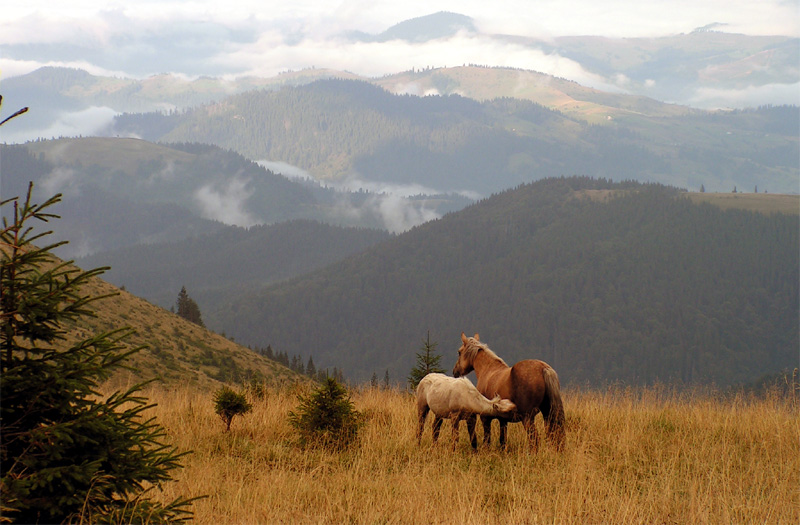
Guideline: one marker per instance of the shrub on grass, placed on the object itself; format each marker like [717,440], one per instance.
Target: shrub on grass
[327,417]
[228,404]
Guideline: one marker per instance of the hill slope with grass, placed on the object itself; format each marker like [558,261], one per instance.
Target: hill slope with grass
[178,352]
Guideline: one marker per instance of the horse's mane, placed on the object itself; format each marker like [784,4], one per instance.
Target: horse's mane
[475,346]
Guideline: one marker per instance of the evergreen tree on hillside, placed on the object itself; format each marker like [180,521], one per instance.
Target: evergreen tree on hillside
[68,453]
[311,369]
[427,363]
[187,308]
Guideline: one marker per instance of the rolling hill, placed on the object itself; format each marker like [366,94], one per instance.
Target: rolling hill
[490,128]
[342,129]
[640,286]
[705,67]
[123,192]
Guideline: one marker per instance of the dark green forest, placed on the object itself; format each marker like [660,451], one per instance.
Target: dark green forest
[222,266]
[334,128]
[642,287]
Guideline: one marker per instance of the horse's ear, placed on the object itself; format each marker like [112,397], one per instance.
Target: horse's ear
[477,337]
[463,338]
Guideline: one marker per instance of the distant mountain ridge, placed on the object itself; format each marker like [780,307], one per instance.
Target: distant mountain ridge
[422,29]
[339,129]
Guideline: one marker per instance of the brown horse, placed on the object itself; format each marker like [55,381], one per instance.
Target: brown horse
[532,385]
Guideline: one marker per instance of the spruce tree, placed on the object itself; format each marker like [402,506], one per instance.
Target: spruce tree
[187,308]
[68,453]
[427,363]
[311,369]
[327,416]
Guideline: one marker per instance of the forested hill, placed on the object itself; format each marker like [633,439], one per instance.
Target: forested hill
[606,282]
[218,266]
[336,129]
[121,192]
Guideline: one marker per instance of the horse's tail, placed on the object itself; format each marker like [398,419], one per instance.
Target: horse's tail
[554,418]
[503,407]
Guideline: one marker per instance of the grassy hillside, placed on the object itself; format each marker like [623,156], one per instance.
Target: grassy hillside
[645,286]
[178,353]
[631,456]
[759,202]
[123,155]
[570,98]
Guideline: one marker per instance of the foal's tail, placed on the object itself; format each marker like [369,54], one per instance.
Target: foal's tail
[554,416]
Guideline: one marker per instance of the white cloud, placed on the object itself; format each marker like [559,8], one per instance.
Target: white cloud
[285,169]
[228,205]
[60,180]
[399,214]
[251,37]
[11,68]
[265,37]
[87,122]
[268,57]
[388,188]
[751,96]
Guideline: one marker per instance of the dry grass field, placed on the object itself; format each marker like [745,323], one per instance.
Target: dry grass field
[632,456]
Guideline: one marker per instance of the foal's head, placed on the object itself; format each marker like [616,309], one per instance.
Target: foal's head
[466,355]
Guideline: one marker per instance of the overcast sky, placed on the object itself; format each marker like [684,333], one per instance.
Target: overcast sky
[203,37]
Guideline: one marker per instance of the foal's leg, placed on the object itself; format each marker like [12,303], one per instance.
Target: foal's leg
[437,426]
[456,423]
[422,413]
[486,423]
[473,439]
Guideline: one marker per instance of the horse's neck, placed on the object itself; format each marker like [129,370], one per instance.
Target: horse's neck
[485,363]
[481,405]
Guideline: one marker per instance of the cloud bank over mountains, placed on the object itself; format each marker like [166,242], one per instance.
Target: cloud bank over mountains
[199,38]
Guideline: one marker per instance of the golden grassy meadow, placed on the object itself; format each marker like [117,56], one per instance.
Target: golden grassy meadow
[632,456]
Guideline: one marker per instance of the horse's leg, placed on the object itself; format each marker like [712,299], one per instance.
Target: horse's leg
[437,426]
[486,423]
[456,423]
[503,427]
[422,413]
[530,427]
[473,439]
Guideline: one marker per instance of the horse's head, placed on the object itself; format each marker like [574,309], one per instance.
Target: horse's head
[465,357]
